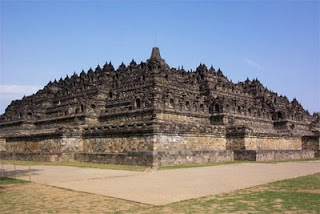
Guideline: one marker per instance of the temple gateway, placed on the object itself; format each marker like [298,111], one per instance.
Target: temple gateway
[151,114]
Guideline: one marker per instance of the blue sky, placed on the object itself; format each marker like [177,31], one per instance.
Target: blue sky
[275,41]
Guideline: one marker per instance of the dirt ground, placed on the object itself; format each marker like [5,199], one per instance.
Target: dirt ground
[296,196]
[166,186]
[37,198]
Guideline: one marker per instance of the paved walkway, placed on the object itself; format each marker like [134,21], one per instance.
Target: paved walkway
[165,186]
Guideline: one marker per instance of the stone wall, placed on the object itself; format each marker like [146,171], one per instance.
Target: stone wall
[244,120]
[188,142]
[191,157]
[117,144]
[158,149]
[174,117]
[274,155]
[35,144]
[36,156]
[259,142]
[190,149]
[123,149]
[277,155]
[44,148]
[310,143]
[127,158]
[248,155]
[272,143]
[235,143]
[2,144]
[154,150]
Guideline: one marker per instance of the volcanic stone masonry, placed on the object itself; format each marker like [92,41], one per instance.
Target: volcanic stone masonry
[151,114]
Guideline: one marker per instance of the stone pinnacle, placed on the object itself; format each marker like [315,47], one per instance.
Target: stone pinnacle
[155,55]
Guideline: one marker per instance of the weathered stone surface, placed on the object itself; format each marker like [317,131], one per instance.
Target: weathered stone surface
[127,158]
[274,155]
[192,157]
[36,156]
[151,114]
[277,155]
[273,143]
[250,155]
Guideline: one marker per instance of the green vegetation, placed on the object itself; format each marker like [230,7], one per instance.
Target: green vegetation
[5,180]
[76,164]
[311,182]
[199,165]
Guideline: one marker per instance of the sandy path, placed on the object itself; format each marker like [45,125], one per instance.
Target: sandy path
[167,186]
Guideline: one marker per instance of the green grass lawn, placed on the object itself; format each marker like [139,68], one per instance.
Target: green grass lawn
[5,180]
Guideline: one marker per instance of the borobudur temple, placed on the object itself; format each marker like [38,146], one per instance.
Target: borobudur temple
[151,114]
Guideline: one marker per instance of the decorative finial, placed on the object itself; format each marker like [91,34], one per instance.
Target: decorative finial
[155,55]
[156,60]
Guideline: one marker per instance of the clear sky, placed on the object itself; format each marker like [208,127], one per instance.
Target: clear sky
[275,41]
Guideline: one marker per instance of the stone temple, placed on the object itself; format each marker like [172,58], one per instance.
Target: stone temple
[152,114]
